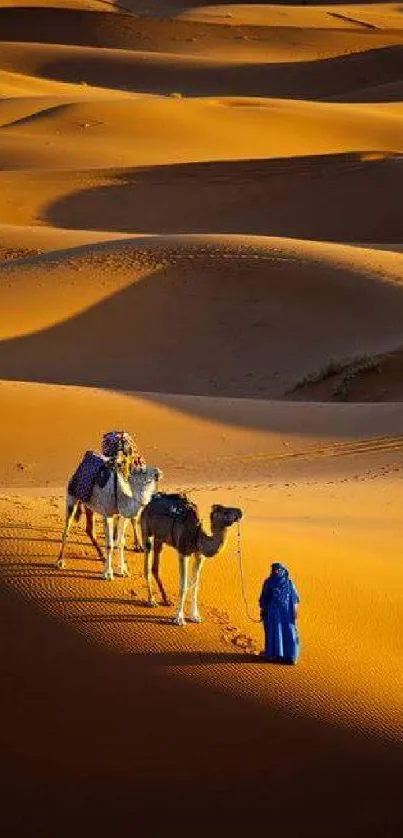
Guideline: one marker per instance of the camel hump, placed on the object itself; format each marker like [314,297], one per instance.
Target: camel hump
[183,514]
[174,505]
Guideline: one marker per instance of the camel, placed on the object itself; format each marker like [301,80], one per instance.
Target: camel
[189,531]
[119,497]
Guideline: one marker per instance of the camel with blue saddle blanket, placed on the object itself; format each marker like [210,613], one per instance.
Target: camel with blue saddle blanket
[101,485]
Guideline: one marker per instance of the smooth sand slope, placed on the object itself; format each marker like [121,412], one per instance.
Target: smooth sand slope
[200,241]
[236,295]
[165,31]
[231,197]
[167,72]
[92,134]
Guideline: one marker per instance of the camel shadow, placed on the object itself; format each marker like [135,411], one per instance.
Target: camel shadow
[195,658]
[30,527]
[40,540]
[42,570]
[26,565]
[88,600]
[122,618]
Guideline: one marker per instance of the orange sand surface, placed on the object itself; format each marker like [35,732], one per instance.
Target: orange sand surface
[201,242]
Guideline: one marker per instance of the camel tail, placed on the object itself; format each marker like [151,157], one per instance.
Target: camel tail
[78,512]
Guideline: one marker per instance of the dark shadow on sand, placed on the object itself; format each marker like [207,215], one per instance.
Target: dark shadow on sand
[120,31]
[87,719]
[248,197]
[328,78]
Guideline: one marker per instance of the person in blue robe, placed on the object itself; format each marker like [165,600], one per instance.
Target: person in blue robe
[278,612]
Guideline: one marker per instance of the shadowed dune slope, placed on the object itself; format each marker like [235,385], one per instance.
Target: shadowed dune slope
[392,92]
[267,197]
[164,72]
[351,197]
[235,295]
[165,34]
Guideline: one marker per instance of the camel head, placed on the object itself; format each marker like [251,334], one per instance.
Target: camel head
[222,517]
[143,482]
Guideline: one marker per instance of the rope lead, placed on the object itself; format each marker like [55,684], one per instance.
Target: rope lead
[240,561]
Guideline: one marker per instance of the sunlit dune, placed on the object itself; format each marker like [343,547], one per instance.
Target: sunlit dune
[349,16]
[158,32]
[122,133]
[27,241]
[245,440]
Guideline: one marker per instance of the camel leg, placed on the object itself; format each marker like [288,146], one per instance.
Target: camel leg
[194,587]
[147,572]
[156,568]
[179,618]
[91,532]
[123,569]
[71,506]
[137,548]
[108,526]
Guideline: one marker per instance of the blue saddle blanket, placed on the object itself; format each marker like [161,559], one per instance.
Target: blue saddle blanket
[92,469]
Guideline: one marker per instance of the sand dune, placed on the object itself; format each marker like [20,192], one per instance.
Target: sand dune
[236,197]
[235,295]
[122,133]
[192,75]
[200,241]
[380,93]
[321,16]
[173,35]
[245,441]
[30,240]
[252,197]
[375,378]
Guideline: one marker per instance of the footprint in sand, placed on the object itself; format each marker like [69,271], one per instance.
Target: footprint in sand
[232,635]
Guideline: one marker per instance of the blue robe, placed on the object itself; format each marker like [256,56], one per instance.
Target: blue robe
[278,615]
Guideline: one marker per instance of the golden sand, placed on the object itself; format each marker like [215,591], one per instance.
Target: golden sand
[200,241]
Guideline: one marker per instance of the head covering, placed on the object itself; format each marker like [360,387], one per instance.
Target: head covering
[280,585]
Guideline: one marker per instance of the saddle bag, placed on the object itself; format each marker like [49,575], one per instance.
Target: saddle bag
[184,517]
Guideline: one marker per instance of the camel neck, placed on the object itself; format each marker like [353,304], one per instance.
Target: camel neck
[210,545]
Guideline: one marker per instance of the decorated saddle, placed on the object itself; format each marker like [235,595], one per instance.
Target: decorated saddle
[184,516]
[118,444]
[93,469]
[119,450]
